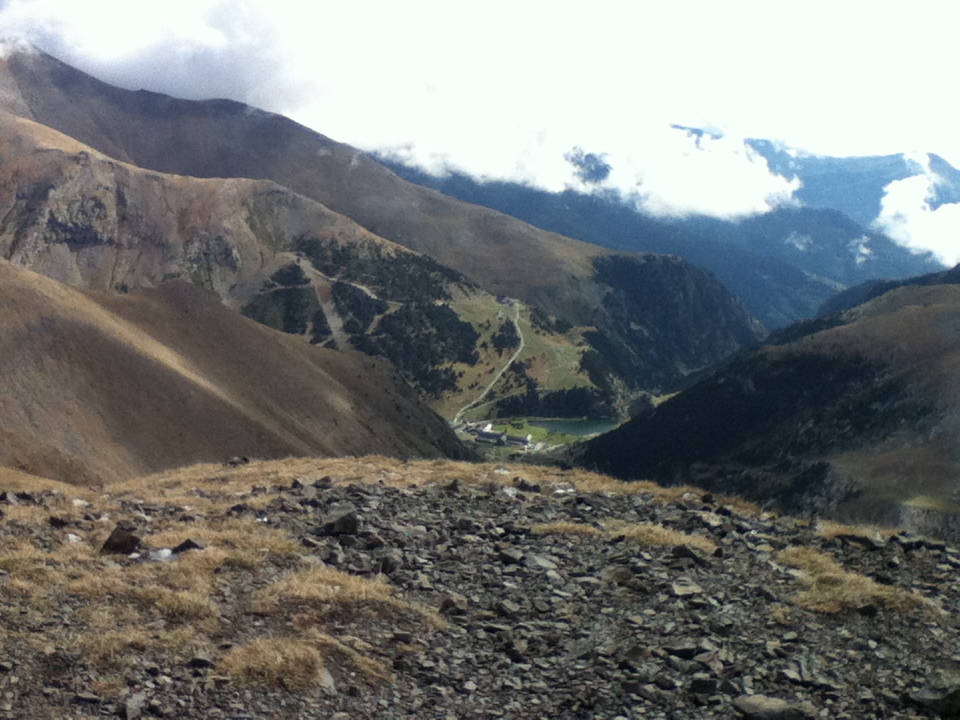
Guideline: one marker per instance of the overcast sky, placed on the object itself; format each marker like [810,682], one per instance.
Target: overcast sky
[505,89]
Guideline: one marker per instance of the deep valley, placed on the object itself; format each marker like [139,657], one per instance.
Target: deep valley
[289,430]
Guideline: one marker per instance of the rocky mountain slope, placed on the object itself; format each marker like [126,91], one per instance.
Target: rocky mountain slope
[369,588]
[101,386]
[853,415]
[557,276]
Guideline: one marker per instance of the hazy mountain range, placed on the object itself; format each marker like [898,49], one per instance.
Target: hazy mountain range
[856,185]
[783,264]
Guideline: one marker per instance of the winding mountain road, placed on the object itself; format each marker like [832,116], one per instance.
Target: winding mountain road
[476,402]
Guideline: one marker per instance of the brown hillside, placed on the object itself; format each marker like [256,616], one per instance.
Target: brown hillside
[98,387]
[225,139]
[78,216]
[219,138]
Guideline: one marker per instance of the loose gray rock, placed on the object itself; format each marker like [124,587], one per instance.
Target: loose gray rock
[122,540]
[454,604]
[763,707]
[134,705]
[943,699]
[685,588]
[341,520]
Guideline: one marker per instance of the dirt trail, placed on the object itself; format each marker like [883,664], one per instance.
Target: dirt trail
[477,400]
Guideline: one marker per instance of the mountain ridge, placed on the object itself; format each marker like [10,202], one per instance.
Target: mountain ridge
[856,185]
[555,275]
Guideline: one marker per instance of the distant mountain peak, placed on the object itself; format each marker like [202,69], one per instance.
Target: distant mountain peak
[858,186]
[699,133]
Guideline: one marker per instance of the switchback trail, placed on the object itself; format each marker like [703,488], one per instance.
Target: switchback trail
[477,400]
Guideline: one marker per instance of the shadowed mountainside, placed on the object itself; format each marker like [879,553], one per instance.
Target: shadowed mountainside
[99,386]
[859,294]
[859,419]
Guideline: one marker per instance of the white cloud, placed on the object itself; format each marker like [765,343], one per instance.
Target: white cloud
[13,45]
[504,89]
[188,48]
[861,250]
[720,177]
[907,217]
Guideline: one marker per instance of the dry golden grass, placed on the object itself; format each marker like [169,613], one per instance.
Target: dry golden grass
[27,514]
[110,686]
[111,648]
[105,616]
[828,588]
[652,535]
[324,585]
[332,591]
[829,529]
[287,663]
[564,527]
[182,606]
[215,487]
[31,571]
[354,653]
[98,585]
[121,647]
[196,571]
[19,587]
[240,542]
[21,558]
